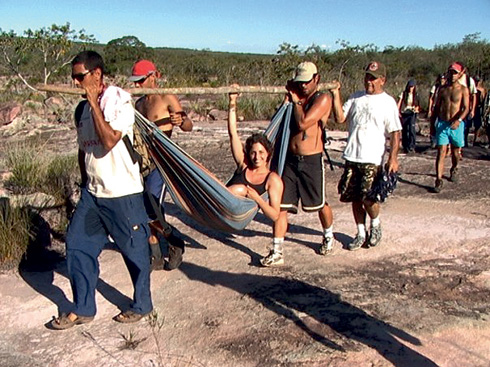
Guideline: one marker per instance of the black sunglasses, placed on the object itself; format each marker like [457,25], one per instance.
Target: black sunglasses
[141,81]
[80,77]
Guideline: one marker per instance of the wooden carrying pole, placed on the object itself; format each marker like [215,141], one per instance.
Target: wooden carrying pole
[193,90]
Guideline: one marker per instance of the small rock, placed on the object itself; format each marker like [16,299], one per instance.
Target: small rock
[8,112]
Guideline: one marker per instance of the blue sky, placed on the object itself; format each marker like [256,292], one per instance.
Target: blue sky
[258,26]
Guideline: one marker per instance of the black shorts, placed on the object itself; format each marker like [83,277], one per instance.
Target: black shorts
[304,178]
[357,180]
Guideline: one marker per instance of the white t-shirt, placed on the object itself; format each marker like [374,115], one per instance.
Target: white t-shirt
[472,87]
[370,117]
[111,174]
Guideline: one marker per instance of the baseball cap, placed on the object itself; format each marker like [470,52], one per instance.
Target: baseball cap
[305,72]
[376,69]
[411,83]
[141,69]
[456,66]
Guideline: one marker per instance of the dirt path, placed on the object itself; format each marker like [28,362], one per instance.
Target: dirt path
[420,299]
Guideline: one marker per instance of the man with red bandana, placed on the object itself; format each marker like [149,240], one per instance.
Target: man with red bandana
[166,112]
[451,108]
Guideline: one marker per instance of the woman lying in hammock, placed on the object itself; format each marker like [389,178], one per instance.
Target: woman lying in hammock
[253,177]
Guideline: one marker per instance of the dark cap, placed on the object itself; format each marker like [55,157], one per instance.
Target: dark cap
[376,69]
[411,83]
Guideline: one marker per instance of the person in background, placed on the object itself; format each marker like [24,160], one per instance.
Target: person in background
[486,115]
[467,81]
[434,91]
[370,114]
[409,107]
[166,112]
[452,106]
[481,94]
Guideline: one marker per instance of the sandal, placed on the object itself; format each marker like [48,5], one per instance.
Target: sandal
[64,322]
[128,317]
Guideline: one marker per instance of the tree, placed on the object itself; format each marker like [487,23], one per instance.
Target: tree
[121,53]
[53,47]
[14,54]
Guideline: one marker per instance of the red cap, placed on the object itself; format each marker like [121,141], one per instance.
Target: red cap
[456,66]
[141,69]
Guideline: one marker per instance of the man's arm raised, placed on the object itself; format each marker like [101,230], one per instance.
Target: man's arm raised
[338,112]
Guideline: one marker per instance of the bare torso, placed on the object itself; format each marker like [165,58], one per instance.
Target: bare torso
[310,140]
[155,108]
[451,100]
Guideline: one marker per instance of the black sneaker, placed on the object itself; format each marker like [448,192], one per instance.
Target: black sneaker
[156,264]
[438,186]
[176,248]
[454,175]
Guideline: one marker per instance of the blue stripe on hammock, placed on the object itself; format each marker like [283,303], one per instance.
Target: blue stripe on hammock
[196,190]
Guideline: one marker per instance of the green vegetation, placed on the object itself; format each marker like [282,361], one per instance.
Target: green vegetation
[15,227]
[253,107]
[33,169]
[53,47]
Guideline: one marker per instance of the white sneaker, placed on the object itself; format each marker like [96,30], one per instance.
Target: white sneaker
[327,246]
[273,259]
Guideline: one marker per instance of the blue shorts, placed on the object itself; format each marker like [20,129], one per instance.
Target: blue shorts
[445,135]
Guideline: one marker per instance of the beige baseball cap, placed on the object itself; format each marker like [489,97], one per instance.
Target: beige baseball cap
[305,72]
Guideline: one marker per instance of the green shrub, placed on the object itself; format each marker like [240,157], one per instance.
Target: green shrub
[253,106]
[27,164]
[15,227]
[36,170]
[60,173]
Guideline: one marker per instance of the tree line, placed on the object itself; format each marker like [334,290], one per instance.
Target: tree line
[44,55]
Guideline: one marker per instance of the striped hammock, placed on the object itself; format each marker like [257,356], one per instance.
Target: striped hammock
[196,190]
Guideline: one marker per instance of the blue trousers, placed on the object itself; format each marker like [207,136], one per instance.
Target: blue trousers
[154,185]
[125,219]
[408,131]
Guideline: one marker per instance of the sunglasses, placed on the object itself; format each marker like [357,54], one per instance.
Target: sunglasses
[80,77]
[452,71]
[141,81]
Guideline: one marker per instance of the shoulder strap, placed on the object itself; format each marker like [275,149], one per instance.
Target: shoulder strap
[135,156]
[79,111]
[312,100]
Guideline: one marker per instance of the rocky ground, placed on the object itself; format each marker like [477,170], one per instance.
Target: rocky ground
[422,298]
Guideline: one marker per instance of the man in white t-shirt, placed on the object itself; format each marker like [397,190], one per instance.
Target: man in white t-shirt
[111,201]
[371,114]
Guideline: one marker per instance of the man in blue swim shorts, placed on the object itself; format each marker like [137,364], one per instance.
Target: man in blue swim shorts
[452,106]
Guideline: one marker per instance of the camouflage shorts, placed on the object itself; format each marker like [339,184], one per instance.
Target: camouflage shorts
[356,181]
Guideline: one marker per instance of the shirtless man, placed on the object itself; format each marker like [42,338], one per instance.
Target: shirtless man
[452,106]
[304,170]
[166,112]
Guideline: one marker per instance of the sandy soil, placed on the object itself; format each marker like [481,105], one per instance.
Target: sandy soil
[422,298]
